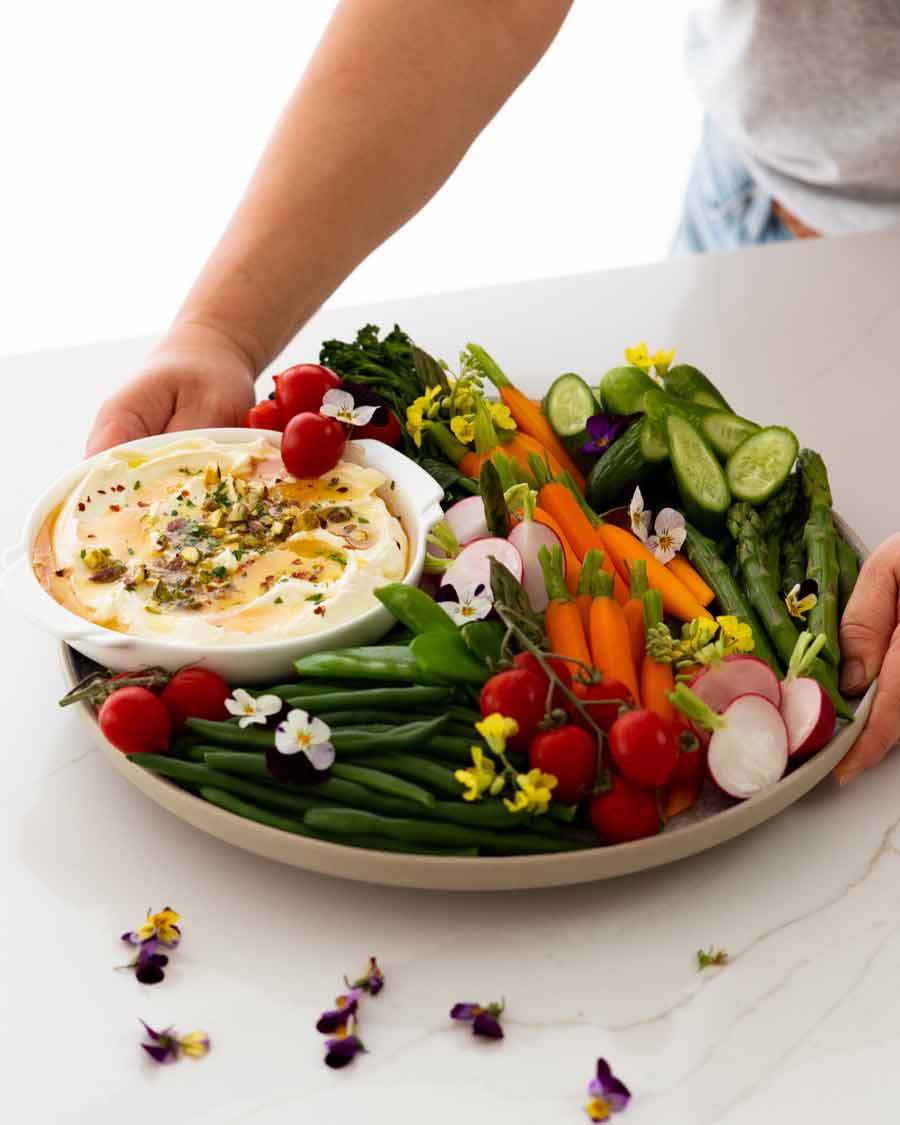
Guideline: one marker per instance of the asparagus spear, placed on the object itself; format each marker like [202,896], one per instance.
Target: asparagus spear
[705,557]
[820,540]
[793,557]
[776,514]
[849,572]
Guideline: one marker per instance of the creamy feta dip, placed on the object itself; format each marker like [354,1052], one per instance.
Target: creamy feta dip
[211,543]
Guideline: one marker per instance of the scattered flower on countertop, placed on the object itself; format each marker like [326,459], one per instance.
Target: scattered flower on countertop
[342,1050]
[472,603]
[479,778]
[608,1094]
[603,429]
[638,519]
[801,598]
[533,794]
[337,1018]
[485,1020]
[670,534]
[341,405]
[302,750]
[168,1046]
[160,929]
[495,729]
[372,981]
[148,966]
[341,1022]
[252,710]
[707,957]
[736,636]
[463,428]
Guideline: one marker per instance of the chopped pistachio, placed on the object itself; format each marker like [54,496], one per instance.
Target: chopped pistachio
[218,533]
[138,575]
[234,537]
[190,555]
[213,474]
[161,592]
[237,514]
[214,518]
[152,609]
[277,528]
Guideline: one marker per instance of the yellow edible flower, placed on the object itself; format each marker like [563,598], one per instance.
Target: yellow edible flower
[662,360]
[195,1044]
[736,636]
[797,606]
[695,635]
[416,414]
[479,778]
[463,428]
[501,416]
[162,926]
[639,356]
[495,729]
[533,794]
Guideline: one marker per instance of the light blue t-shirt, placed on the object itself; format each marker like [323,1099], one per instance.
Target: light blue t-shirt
[808,91]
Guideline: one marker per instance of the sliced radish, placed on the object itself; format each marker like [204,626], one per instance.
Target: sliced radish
[739,674]
[472,566]
[528,537]
[808,714]
[749,751]
[466,520]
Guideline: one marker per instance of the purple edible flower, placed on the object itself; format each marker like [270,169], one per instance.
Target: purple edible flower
[331,1021]
[603,429]
[293,769]
[365,396]
[372,981]
[608,1094]
[168,1046]
[341,1051]
[485,1020]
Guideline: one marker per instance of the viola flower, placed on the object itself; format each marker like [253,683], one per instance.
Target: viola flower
[148,966]
[472,603]
[167,1046]
[801,598]
[363,395]
[252,710]
[533,794]
[342,1050]
[337,1018]
[637,517]
[479,777]
[736,636]
[372,981]
[302,749]
[463,428]
[603,429]
[495,729]
[340,404]
[670,534]
[485,1020]
[608,1094]
[342,1021]
[159,928]
[639,356]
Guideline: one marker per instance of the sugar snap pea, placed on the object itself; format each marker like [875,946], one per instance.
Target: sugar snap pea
[445,658]
[381,782]
[414,608]
[321,703]
[392,663]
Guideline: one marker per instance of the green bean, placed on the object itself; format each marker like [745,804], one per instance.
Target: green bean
[371,720]
[432,774]
[354,822]
[453,749]
[248,811]
[347,740]
[381,782]
[285,691]
[374,662]
[465,715]
[392,697]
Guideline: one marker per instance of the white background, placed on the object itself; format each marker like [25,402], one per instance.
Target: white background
[129,131]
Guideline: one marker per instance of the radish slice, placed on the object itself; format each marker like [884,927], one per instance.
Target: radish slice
[808,714]
[466,520]
[750,752]
[721,683]
[528,537]
[472,566]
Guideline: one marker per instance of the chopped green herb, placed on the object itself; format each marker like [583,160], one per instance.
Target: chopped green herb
[279,601]
[393,485]
[361,519]
[219,572]
[316,598]
[131,550]
[83,552]
[137,485]
[190,503]
[339,559]
[238,553]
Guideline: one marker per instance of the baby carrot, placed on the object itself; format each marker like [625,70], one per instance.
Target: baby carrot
[685,573]
[681,795]
[657,679]
[562,619]
[610,644]
[590,568]
[634,610]
[556,499]
[573,564]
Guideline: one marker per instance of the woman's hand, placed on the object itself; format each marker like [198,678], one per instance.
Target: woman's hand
[196,377]
[870,647]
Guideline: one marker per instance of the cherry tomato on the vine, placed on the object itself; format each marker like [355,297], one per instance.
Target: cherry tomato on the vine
[603,702]
[301,388]
[643,748]
[135,721]
[388,431]
[264,416]
[530,662]
[517,694]
[691,762]
[626,812]
[571,755]
[312,444]
[195,693]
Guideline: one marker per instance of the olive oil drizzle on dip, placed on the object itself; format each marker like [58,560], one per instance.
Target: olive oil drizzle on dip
[218,543]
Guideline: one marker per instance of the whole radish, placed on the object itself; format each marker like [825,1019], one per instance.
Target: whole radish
[529,537]
[806,708]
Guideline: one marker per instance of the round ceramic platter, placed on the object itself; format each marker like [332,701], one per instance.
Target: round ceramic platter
[712,821]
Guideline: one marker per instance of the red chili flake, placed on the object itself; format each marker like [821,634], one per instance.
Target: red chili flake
[90,537]
[120,488]
[320,610]
[184,494]
[143,504]
[81,507]
[115,508]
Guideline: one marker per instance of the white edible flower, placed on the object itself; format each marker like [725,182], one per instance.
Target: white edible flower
[472,604]
[670,535]
[638,518]
[301,734]
[252,710]
[340,405]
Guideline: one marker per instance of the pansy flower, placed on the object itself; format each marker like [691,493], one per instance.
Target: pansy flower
[168,1046]
[342,1050]
[472,603]
[338,1017]
[603,429]
[250,709]
[485,1020]
[638,519]
[669,535]
[341,1022]
[801,598]
[340,404]
[608,1094]
[159,930]
[302,749]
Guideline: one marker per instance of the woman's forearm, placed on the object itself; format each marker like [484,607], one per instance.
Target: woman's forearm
[393,97]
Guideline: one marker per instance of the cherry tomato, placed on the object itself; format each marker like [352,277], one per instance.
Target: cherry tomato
[264,416]
[625,813]
[560,667]
[603,701]
[300,389]
[195,693]
[643,748]
[571,754]
[312,444]
[691,762]
[135,721]
[388,431]
[518,694]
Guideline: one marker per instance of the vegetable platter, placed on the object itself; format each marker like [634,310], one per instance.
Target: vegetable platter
[575,691]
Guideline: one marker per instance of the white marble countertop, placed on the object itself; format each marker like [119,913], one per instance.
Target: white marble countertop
[801,1025]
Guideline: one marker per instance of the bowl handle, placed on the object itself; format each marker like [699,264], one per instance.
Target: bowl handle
[11,555]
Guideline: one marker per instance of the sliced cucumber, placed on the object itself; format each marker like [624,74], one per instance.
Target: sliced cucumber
[653,440]
[725,431]
[623,389]
[568,404]
[618,469]
[689,382]
[762,463]
[701,482]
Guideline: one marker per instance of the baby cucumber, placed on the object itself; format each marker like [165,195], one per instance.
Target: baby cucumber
[653,440]
[623,390]
[761,464]
[568,404]
[725,431]
[688,382]
[701,482]
[620,467]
